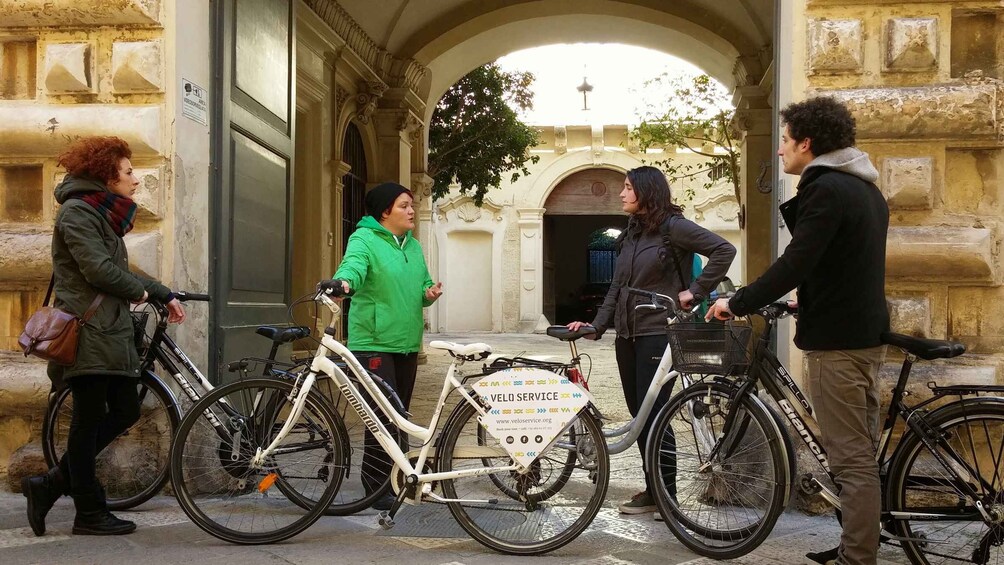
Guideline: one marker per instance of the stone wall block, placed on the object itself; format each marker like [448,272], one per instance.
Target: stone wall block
[25,256]
[44,130]
[976,317]
[145,251]
[908,182]
[78,13]
[910,315]
[943,373]
[936,253]
[24,385]
[969,112]
[835,45]
[911,44]
[68,68]
[137,66]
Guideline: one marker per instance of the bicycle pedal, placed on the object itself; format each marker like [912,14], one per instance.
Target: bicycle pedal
[385,521]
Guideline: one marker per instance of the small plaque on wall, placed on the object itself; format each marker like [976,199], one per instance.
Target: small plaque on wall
[194,102]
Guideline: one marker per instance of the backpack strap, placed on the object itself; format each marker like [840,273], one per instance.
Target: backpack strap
[667,243]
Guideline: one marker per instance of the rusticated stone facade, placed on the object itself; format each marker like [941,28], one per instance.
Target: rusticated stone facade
[70,69]
[924,83]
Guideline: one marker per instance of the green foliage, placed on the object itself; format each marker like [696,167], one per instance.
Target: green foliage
[601,239]
[475,135]
[697,116]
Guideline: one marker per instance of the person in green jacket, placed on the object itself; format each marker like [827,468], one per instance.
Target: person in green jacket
[385,270]
[89,259]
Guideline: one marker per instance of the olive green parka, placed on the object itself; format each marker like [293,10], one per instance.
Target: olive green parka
[88,258]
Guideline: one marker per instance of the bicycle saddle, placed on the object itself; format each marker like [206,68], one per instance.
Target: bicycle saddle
[565,334]
[282,334]
[924,348]
[468,351]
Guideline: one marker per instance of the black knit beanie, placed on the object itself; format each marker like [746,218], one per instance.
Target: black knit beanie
[382,197]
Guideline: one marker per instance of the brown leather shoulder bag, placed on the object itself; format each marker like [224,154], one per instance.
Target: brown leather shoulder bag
[52,334]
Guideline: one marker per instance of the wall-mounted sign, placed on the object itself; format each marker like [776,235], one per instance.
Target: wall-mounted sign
[194,102]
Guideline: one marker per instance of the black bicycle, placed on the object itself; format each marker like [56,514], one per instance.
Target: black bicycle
[726,462]
[145,447]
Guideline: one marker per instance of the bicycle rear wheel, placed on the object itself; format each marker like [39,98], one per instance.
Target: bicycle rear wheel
[721,491]
[229,496]
[927,502]
[528,523]
[134,466]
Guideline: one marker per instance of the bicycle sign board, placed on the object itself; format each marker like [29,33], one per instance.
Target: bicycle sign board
[528,408]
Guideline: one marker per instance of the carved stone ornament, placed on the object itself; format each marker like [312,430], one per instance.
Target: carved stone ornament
[366,99]
[911,44]
[468,212]
[560,140]
[836,45]
[410,126]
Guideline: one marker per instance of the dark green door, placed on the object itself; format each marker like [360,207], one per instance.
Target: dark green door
[253,156]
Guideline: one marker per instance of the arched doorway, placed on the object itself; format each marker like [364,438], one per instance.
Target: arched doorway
[582,205]
[353,197]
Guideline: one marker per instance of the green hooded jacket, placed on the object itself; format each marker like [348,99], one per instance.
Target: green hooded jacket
[389,280]
[88,257]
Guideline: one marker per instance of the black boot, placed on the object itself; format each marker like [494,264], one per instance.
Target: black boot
[94,519]
[42,492]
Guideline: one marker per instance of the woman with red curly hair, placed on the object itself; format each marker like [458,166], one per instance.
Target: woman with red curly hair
[90,267]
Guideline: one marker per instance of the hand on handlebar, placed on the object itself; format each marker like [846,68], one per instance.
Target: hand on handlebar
[686,300]
[336,288]
[719,310]
[175,312]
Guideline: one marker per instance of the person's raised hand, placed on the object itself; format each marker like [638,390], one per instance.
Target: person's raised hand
[434,292]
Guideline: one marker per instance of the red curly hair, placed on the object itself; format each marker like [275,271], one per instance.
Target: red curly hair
[95,157]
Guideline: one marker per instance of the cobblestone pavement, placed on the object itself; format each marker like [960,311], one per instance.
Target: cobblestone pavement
[166,536]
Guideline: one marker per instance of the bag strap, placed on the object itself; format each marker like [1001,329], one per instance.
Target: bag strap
[667,241]
[92,309]
[48,293]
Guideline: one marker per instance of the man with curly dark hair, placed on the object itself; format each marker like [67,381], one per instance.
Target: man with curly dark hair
[836,259]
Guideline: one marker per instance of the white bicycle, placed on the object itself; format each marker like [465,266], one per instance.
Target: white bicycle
[521,479]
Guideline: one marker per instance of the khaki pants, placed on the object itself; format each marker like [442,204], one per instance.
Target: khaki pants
[844,392]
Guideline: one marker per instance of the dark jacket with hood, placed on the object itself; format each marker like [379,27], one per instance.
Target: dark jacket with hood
[839,222]
[88,258]
[643,263]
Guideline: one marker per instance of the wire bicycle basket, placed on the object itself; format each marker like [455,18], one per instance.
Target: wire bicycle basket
[709,348]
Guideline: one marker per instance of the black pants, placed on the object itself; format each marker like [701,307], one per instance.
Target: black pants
[103,408]
[398,370]
[637,361]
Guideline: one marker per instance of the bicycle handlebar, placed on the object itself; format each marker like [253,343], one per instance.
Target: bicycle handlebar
[183,296]
[659,301]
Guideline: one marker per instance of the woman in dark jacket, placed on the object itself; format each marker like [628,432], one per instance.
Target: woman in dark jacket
[644,262]
[89,260]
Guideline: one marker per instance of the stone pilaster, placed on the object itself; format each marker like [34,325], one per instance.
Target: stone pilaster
[531,270]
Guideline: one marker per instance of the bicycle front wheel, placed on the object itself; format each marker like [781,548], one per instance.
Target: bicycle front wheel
[133,467]
[535,516]
[228,494]
[720,490]
[929,504]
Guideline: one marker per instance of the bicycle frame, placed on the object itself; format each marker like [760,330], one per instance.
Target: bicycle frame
[778,383]
[322,366]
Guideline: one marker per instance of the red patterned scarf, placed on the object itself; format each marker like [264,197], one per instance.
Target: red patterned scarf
[119,211]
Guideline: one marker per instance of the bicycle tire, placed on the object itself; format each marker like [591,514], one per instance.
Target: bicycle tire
[731,504]
[148,459]
[917,483]
[218,487]
[531,526]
